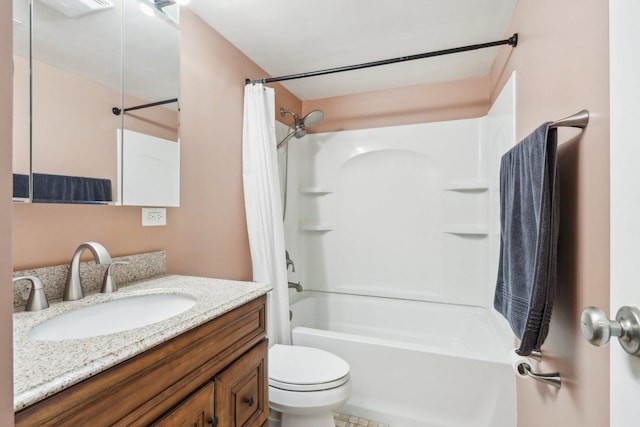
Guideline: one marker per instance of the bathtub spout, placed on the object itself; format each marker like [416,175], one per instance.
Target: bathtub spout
[296,286]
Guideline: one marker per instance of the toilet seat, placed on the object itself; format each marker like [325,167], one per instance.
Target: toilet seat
[296,368]
[308,387]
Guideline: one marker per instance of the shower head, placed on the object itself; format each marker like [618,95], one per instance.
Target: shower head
[300,132]
[299,125]
[313,118]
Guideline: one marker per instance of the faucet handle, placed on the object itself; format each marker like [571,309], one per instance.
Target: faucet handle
[37,298]
[289,262]
[109,282]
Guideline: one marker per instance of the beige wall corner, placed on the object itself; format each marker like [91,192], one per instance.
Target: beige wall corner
[562,67]
[6,189]
[209,236]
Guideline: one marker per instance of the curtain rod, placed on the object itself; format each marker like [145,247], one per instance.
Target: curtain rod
[511,41]
[117,111]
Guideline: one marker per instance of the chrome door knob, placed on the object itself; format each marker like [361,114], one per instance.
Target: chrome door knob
[598,329]
[596,326]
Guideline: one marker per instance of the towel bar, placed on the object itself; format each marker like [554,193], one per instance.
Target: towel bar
[578,120]
[553,379]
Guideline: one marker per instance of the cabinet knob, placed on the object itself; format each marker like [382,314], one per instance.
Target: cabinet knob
[598,329]
[249,401]
[213,422]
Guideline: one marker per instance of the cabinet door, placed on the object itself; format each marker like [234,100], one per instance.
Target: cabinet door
[195,411]
[241,398]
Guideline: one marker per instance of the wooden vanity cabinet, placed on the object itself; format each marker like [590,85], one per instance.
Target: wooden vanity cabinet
[215,374]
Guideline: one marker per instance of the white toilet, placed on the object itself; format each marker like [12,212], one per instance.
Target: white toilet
[305,385]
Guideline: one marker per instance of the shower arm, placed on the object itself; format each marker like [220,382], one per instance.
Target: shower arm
[296,118]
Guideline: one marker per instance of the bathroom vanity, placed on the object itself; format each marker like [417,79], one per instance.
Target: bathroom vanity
[213,372]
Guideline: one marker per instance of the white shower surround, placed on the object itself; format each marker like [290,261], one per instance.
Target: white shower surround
[409,214]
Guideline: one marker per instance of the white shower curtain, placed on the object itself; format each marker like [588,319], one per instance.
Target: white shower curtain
[263,206]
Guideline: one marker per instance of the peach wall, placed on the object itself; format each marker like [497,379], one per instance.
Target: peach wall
[562,67]
[207,234]
[210,237]
[6,306]
[409,105]
[48,234]
[74,131]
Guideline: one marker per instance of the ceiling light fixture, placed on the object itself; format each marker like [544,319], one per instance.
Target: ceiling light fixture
[165,9]
[78,8]
[161,4]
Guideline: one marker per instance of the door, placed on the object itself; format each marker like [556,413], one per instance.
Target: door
[625,199]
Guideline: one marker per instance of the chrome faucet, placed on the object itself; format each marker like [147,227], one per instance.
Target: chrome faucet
[290,262]
[73,286]
[37,298]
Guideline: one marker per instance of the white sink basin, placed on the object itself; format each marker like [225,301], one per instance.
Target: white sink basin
[114,316]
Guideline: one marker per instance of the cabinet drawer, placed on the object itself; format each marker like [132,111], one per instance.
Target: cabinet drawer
[196,410]
[241,397]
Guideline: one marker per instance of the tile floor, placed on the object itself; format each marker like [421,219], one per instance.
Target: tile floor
[344,420]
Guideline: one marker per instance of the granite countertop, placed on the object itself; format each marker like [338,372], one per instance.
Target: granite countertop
[43,368]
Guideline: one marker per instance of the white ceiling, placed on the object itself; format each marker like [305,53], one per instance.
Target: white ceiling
[292,36]
[90,46]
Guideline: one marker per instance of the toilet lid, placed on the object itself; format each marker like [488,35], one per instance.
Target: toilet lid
[299,368]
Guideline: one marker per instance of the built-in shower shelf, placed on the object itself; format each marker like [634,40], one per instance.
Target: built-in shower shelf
[316,227]
[469,230]
[467,186]
[315,190]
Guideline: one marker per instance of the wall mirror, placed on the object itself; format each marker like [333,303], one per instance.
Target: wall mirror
[87,57]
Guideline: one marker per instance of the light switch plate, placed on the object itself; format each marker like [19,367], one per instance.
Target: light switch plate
[154,216]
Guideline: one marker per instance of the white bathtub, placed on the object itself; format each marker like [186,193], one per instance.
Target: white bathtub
[413,363]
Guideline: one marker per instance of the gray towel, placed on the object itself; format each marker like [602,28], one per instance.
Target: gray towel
[529,216]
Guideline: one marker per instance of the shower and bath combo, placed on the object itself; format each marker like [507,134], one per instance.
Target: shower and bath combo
[298,129]
[358,333]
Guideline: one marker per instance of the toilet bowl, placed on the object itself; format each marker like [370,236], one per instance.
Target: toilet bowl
[305,386]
